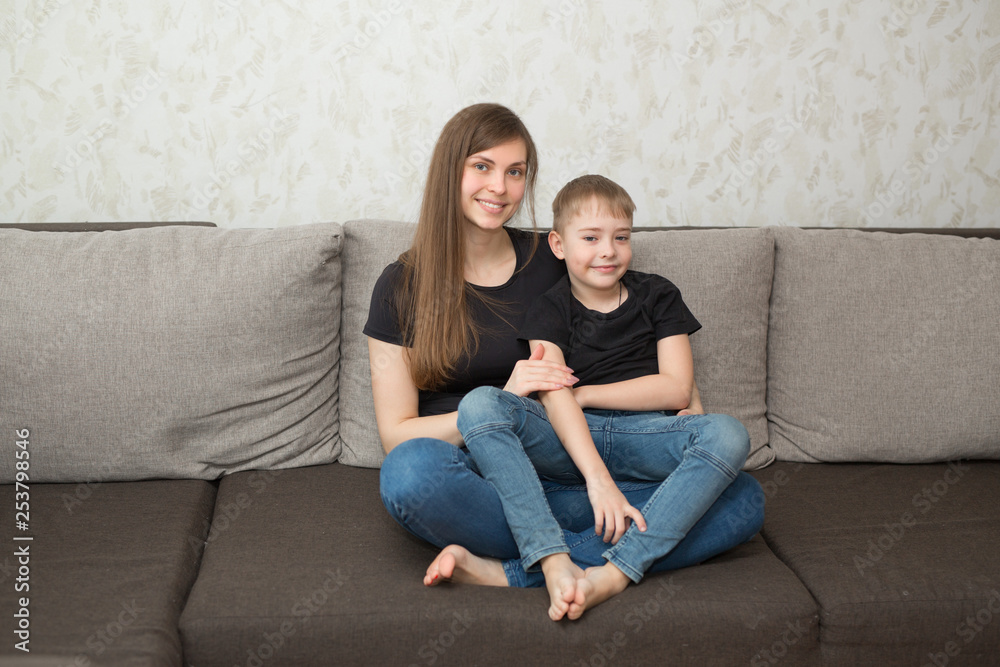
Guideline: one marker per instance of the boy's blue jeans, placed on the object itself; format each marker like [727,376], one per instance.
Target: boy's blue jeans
[681,472]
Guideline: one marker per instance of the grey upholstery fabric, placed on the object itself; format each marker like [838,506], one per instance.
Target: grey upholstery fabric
[725,278]
[344,587]
[170,351]
[110,568]
[898,557]
[369,246]
[884,347]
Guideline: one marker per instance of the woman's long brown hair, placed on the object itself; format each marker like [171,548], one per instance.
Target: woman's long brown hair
[434,312]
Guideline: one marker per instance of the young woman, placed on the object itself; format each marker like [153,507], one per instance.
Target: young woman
[444,320]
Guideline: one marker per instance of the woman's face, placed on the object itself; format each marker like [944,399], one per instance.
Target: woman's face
[493,183]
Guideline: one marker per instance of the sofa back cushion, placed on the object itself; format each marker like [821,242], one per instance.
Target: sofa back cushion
[369,246]
[724,276]
[883,347]
[171,351]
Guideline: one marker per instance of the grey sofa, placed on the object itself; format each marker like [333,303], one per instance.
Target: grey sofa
[201,486]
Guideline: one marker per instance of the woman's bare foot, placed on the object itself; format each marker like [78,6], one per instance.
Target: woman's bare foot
[458,564]
[598,584]
[561,577]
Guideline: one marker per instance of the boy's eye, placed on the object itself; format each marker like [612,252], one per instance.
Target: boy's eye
[589,238]
[623,238]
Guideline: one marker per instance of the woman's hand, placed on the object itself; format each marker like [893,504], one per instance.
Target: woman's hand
[536,374]
[612,511]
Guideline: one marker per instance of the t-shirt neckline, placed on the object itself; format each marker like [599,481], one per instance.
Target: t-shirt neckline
[518,265]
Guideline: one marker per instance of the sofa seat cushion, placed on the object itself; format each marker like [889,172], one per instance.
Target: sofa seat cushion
[902,559]
[110,566]
[308,569]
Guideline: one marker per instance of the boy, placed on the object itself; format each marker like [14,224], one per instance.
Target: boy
[625,334]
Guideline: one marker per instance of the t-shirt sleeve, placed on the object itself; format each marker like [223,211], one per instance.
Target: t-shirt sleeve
[546,320]
[670,315]
[383,312]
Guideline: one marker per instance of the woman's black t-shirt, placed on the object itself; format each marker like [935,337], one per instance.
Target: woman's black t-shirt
[499,348]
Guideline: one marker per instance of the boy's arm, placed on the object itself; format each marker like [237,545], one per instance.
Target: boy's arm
[695,407]
[670,389]
[611,509]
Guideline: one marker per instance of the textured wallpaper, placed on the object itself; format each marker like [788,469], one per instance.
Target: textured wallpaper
[276,113]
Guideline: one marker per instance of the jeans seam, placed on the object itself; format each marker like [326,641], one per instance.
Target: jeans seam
[716,462]
[626,569]
[514,578]
[528,561]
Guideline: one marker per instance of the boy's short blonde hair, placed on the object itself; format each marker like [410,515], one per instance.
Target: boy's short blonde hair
[578,192]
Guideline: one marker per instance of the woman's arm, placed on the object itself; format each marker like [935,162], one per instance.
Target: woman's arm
[611,510]
[397,400]
[670,389]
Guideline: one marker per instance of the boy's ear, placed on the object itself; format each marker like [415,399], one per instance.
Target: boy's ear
[555,242]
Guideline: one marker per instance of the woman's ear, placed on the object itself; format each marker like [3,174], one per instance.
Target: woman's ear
[555,242]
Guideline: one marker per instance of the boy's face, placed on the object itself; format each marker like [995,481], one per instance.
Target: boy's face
[596,246]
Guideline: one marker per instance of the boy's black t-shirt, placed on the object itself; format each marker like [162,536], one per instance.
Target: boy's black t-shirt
[499,347]
[602,348]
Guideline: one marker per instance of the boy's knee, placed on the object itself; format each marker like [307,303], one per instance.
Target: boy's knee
[480,405]
[731,439]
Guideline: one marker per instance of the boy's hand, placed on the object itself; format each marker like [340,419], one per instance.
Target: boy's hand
[612,512]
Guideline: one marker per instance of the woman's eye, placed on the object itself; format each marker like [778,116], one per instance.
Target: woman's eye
[514,172]
[480,167]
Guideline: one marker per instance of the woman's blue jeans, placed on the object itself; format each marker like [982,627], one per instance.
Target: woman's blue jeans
[435,489]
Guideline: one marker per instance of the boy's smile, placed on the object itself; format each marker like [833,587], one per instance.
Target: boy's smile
[597,248]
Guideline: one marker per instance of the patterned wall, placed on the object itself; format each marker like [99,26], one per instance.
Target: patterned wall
[722,112]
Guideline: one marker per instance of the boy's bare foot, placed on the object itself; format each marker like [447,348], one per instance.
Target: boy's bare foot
[598,585]
[561,577]
[458,564]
